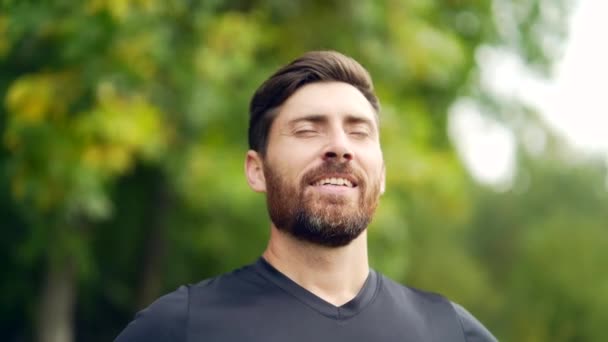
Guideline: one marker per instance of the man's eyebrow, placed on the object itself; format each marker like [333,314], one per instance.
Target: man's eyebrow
[314,118]
[356,119]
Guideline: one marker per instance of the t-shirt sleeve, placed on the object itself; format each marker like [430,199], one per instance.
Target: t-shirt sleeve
[473,330]
[163,321]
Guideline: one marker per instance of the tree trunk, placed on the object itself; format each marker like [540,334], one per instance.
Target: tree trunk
[55,313]
[156,245]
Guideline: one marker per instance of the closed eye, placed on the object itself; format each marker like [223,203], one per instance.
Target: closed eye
[306,133]
[360,134]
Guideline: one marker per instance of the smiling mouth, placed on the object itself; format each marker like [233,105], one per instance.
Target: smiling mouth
[335,181]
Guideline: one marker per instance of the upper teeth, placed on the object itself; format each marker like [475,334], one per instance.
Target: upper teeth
[335,181]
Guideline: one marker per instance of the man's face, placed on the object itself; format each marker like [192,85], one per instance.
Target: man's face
[323,168]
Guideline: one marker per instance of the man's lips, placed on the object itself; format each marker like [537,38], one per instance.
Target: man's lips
[334,180]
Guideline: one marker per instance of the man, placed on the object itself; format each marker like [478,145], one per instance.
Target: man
[315,152]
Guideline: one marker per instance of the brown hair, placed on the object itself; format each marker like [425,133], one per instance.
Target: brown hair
[315,66]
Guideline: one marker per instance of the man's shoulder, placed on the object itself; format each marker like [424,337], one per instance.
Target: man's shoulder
[163,320]
[472,329]
[166,319]
[411,294]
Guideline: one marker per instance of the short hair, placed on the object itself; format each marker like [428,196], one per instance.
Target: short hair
[311,67]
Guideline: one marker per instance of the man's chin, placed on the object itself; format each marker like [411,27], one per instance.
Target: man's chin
[331,226]
[324,199]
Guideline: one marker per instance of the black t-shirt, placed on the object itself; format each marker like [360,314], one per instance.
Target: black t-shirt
[258,303]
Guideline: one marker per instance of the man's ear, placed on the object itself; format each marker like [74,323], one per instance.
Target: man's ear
[254,170]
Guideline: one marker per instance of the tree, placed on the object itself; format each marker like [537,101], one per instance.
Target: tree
[123,123]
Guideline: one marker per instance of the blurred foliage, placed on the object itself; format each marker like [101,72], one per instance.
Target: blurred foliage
[123,131]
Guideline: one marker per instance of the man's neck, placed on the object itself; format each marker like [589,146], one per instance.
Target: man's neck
[335,274]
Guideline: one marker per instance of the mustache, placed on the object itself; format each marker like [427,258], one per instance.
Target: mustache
[328,168]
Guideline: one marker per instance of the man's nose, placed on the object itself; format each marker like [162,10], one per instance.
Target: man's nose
[338,149]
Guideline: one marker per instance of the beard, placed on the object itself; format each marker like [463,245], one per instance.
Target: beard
[329,220]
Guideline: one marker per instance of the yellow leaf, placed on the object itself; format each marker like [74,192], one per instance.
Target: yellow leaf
[134,52]
[118,8]
[27,99]
[92,156]
[33,98]
[118,158]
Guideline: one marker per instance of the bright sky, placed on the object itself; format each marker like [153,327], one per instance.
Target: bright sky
[574,102]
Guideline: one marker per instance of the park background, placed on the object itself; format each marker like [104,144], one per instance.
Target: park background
[123,132]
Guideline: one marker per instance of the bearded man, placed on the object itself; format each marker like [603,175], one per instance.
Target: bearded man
[315,152]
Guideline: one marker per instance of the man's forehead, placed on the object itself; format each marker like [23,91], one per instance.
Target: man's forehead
[327,101]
